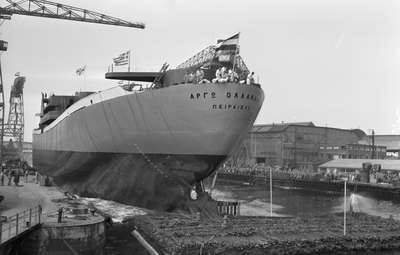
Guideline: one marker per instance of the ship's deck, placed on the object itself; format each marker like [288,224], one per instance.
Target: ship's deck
[133,76]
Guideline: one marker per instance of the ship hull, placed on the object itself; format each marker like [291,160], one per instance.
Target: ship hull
[146,149]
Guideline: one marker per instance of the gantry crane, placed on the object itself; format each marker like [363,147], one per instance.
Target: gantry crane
[14,128]
[45,9]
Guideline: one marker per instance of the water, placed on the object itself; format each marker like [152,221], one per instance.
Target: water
[255,201]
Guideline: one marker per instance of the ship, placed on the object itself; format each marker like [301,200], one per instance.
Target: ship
[150,145]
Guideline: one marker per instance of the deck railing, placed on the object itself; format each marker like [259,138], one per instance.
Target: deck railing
[21,222]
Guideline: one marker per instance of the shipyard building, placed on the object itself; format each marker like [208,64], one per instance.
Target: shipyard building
[305,146]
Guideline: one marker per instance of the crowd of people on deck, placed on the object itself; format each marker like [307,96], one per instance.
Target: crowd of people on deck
[222,75]
[194,77]
[300,174]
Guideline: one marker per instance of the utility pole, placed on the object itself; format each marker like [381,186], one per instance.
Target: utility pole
[373,143]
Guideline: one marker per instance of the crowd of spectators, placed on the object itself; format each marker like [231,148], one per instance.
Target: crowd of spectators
[263,170]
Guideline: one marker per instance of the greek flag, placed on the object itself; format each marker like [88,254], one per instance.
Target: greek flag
[122,59]
[229,44]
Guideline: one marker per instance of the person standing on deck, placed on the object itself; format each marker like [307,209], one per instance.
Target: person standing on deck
[217,75]
[191,77]
[200,75]
[242,77]
[250,78]
[186,78]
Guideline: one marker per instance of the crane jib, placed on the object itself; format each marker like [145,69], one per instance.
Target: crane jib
[47,9]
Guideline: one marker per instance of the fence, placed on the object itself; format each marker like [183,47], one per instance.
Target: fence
[19,223]
[232,208]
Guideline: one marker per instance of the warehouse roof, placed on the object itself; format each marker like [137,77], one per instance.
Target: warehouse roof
[280,127]
[357,164]
[277,127]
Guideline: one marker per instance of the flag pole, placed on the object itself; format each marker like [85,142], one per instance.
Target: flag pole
[129,61]
[234,59]
[270,186]
[344,210]
[129,64]
[85,80]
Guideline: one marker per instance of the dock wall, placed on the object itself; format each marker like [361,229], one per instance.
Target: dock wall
[60,239]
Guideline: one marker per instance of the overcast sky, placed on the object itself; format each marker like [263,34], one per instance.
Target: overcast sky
[335,63]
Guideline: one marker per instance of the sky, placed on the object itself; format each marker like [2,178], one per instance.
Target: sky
[335,63]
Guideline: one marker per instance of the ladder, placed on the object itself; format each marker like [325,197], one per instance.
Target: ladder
[159,76]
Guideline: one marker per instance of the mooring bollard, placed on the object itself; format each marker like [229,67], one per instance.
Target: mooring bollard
[225,220]
[92,212]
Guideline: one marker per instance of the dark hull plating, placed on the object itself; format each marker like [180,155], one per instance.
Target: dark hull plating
[130,178]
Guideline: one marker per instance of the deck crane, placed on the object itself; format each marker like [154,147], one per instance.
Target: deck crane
[45,9]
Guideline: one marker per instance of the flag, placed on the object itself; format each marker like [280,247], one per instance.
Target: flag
[17,74]
[81,71]
[229,44]
[122,59]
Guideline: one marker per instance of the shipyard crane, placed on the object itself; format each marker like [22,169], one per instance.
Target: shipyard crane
[14,128]
[45,9]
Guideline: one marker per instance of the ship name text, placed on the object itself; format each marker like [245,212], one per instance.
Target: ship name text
[230,106]
[233,95]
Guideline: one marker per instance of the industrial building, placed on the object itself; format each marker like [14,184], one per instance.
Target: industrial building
[304,146]
[392,143]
